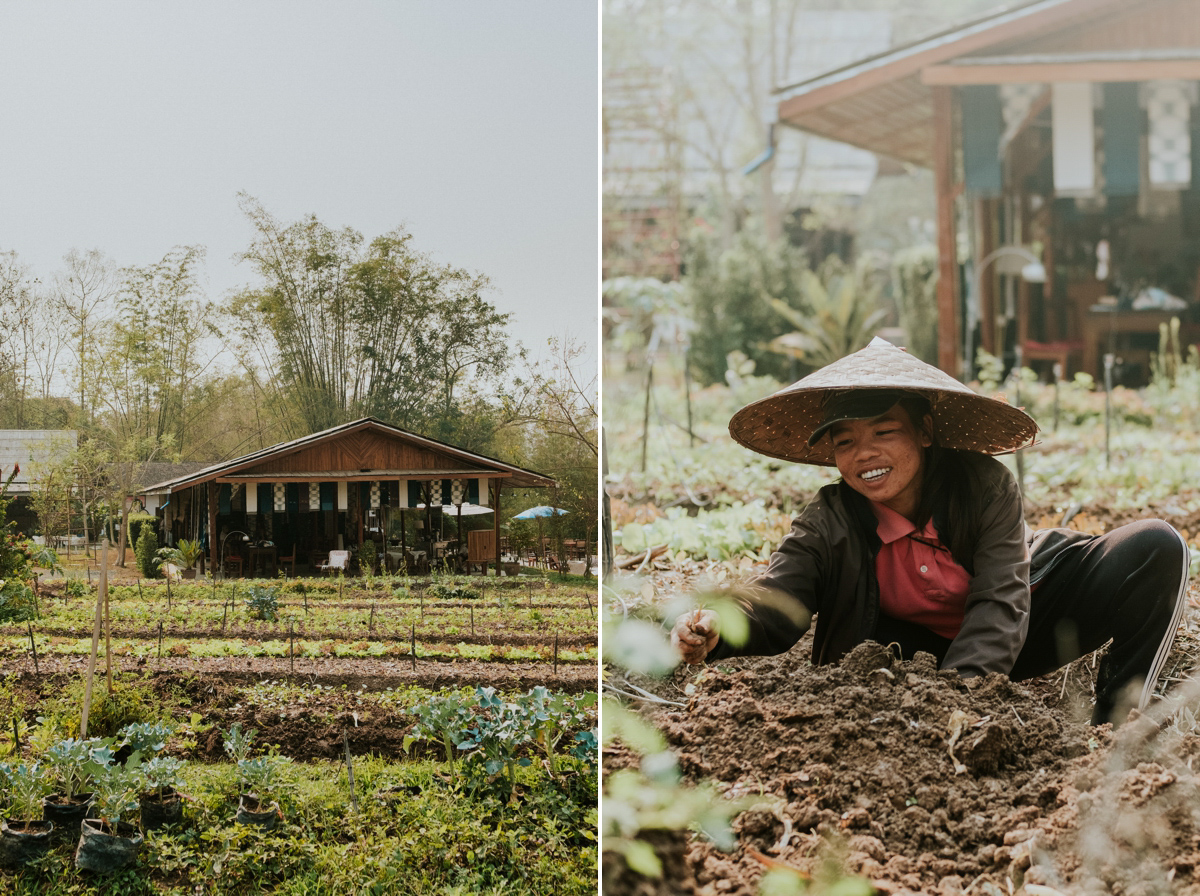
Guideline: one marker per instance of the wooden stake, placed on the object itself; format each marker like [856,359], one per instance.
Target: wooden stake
[371,622]
[140,590]
[413,646]
[556,654]
[16,737]
[168,592]
[107,620]
[160,639]
[588,598]
[350,770]
[292,645]
[91,670]
[472,622]
[33,647]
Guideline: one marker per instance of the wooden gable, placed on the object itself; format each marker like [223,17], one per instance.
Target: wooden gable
[361,454]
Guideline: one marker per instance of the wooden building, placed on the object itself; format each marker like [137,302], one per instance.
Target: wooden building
[1064,138]
[332,490]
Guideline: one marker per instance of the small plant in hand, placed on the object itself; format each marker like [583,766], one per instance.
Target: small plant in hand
[263,603]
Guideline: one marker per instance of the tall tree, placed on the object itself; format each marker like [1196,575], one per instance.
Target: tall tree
[159,350]
[82,293]
[30,345]
[343,328]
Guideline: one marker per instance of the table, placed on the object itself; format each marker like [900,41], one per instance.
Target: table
[1099,325]
[266,557]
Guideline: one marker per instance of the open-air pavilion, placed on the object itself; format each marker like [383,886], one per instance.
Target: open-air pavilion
[296,502]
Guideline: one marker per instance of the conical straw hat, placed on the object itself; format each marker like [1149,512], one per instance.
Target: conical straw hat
[780,424]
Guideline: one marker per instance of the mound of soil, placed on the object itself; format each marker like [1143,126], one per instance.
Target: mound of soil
[922,782]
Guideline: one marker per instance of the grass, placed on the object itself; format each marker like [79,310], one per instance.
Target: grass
[434,843]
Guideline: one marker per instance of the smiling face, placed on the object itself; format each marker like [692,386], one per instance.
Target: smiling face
[883,458]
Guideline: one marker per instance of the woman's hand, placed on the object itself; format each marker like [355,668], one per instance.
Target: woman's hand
[694,635]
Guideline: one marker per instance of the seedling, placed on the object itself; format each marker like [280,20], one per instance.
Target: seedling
[74,763]
[238,743]
[27,785]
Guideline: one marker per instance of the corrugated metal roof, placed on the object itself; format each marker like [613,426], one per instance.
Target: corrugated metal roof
[31,448]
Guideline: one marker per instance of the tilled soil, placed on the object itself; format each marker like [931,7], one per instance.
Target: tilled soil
[922,783]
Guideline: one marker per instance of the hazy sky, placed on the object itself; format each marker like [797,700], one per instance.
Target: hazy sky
[131,126]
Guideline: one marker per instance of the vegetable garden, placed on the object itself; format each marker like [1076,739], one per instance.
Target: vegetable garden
[769,775]
[377,735]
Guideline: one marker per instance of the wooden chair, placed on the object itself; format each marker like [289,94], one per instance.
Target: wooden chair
[290,560]
[338,560]
[233,566]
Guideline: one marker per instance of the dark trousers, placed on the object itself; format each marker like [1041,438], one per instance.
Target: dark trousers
[1127,585]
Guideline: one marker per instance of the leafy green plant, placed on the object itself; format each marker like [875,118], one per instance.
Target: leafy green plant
[552,716]
[115,790]
[184,555]
[76,588]
[440,718]
[493,741]
[74,764]
[237,742]
[145,738]
[262,602]
[452,592]
[162,774]
[146,551]
[27,784]
[262,776]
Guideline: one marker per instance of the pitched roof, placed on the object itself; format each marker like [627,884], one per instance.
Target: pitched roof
[472,464]
[28,448]
[882,102]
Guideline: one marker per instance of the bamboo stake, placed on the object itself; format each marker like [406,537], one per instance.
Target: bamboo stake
[107,620]
[350,770]
[91,670]
[33,647]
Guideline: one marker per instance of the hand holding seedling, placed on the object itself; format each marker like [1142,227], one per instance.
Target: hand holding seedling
[695,634]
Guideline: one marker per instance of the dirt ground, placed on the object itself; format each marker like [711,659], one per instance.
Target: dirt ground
[922,784]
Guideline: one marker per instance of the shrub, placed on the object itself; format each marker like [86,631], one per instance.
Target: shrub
[146,552]
[263,603]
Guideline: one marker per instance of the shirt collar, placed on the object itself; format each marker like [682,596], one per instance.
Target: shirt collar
[894,526]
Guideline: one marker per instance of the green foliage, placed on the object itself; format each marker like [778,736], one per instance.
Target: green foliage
[837,314]
[76,588]
[145,738]
[439,591]
[355,328]
[136,522]
[184,555]
[727,292]
[237,742]
[262,602]
[162,773]
[262,776]
[914,278]
[146,551]
[115,791]
[27,783]
[74,764]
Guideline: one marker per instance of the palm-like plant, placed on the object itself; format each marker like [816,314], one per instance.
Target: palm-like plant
[842,312]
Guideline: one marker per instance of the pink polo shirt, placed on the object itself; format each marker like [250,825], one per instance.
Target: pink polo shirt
[918,578]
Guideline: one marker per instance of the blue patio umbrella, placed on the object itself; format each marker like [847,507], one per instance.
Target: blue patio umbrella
[534,513]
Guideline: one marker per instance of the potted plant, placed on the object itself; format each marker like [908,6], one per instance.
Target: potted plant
[260,778]
[160,800]
[184,557]
[108,843]
[23,836]
[142,740]
[73,763]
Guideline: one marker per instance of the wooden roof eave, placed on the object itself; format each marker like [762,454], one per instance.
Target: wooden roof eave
[867,81]
[517,475]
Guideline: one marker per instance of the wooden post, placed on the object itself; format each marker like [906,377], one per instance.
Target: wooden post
[494,485]
[413,646]
[947,283]
[91,670]
[292,645]
[107,620]
[160,639]
[556,654]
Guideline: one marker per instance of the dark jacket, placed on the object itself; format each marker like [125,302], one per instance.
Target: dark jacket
[826,567]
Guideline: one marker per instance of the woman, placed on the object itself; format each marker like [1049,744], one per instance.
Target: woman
[922,544]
